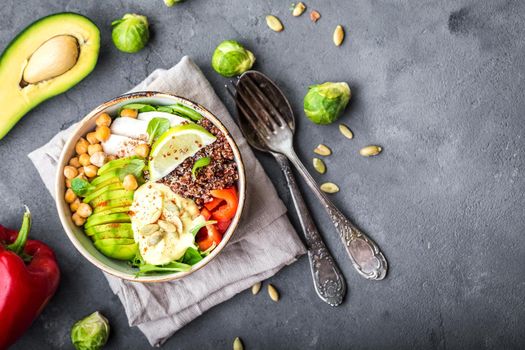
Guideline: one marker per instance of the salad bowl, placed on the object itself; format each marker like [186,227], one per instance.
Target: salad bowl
[75,232]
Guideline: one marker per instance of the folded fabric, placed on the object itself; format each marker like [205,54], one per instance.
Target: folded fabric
[263,243]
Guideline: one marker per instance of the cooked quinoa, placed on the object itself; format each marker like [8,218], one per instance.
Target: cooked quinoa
[220,173]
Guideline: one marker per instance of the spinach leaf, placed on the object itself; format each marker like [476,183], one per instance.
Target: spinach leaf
[173,266]
[141,107]
[191,256]
[156,127]
[196,229]
[185,111]
[134,167]
[201,163]
[81,187]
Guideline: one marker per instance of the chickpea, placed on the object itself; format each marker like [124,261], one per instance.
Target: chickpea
[82,146]
[78,220]
[68,183]
[130,113]
[82,176]
[142,150]
[70,196]
[92,149]
[98,159]
[74,206]
[90,171]
[111,157]
[81,171]
[92,137]
[130,183]
[84,159]
[103,120]
[103,133]
[70,172]
[74,162]
[84,210]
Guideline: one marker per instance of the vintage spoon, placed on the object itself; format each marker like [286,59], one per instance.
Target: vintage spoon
[265,115]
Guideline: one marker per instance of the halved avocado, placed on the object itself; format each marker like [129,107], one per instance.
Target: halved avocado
[117,251]
[112,203]
[107,219]
[108,227]
[106,196]
[115,164]
[104,190]
[122,233]
[47,58]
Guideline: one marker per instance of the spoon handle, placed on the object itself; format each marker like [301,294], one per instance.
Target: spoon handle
[328,281]
[364,253]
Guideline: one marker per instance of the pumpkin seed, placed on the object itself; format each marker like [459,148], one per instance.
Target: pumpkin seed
[274,23]
[256,288]
[319,166]
[370,151]
[155,238]
[274,294]
[329,187]
[167,226]
[339,35]
[148,229]
[237,344]
[298,9]
[322,150]
[345,130]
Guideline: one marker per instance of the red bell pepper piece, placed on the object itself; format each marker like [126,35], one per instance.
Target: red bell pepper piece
[207,236]
[29,277]
[222,226]
[227,211]
[213,204]
[206,214]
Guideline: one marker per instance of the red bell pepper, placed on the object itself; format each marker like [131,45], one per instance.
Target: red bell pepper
[226,211]
[29,277]
[207,236]
[222,226]
[214,203]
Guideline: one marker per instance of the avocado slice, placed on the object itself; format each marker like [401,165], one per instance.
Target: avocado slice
[123,209]
[116,241]
[100,179]
[117,251]
[107,219]
[112,203]
[104,190]
[47,58]
[115,164]
[122,233]
[114,226]
[109,195]
[113,180]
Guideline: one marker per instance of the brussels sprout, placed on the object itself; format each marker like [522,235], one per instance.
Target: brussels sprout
[231,58]
[324,103]
[170,3]
[131,33]
[90,333]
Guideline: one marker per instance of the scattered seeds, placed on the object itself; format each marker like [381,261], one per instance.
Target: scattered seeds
[339,35]
[322,150]
[319,166]
[370,151]
[237,344]
[298,9]
[256,288]
[314,16]
[274,23]
[273,293]
[329,187]
[345,130]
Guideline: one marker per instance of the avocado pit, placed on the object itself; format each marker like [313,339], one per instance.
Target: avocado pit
[52,59]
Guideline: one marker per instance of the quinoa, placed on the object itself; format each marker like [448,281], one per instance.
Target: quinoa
[220,173]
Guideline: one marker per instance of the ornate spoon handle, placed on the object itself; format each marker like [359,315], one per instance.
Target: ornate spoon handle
[328,280]
[363,251]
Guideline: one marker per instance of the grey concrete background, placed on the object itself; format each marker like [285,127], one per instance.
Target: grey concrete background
[439,84]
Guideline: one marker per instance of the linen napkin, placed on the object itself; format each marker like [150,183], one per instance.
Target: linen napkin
[264,241]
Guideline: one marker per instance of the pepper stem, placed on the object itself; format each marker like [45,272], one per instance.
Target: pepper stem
[18,245]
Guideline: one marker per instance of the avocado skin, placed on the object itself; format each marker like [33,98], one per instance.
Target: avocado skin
[10,120]
[114,226]
[117,251]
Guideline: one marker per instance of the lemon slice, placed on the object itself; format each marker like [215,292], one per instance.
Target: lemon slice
[174,146]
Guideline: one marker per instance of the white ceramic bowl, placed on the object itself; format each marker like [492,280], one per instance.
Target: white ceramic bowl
[77,236]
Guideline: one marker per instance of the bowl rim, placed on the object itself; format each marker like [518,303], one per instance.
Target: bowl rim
[60,186]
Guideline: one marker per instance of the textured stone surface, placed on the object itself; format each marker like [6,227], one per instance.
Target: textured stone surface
[439,84]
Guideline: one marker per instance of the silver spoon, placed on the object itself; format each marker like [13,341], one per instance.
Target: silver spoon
[265,115]
[329,282]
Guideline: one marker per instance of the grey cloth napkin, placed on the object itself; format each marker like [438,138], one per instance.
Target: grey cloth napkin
[263,243]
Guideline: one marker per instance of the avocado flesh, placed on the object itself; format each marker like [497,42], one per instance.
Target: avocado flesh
[113,234]
[113,180]
[115,164]
[106,196]
[114,226]
[117,251]
[16,100]
[107,219]
[116,241]
[109,175]
[123,209]
[112,203]
[104,190]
